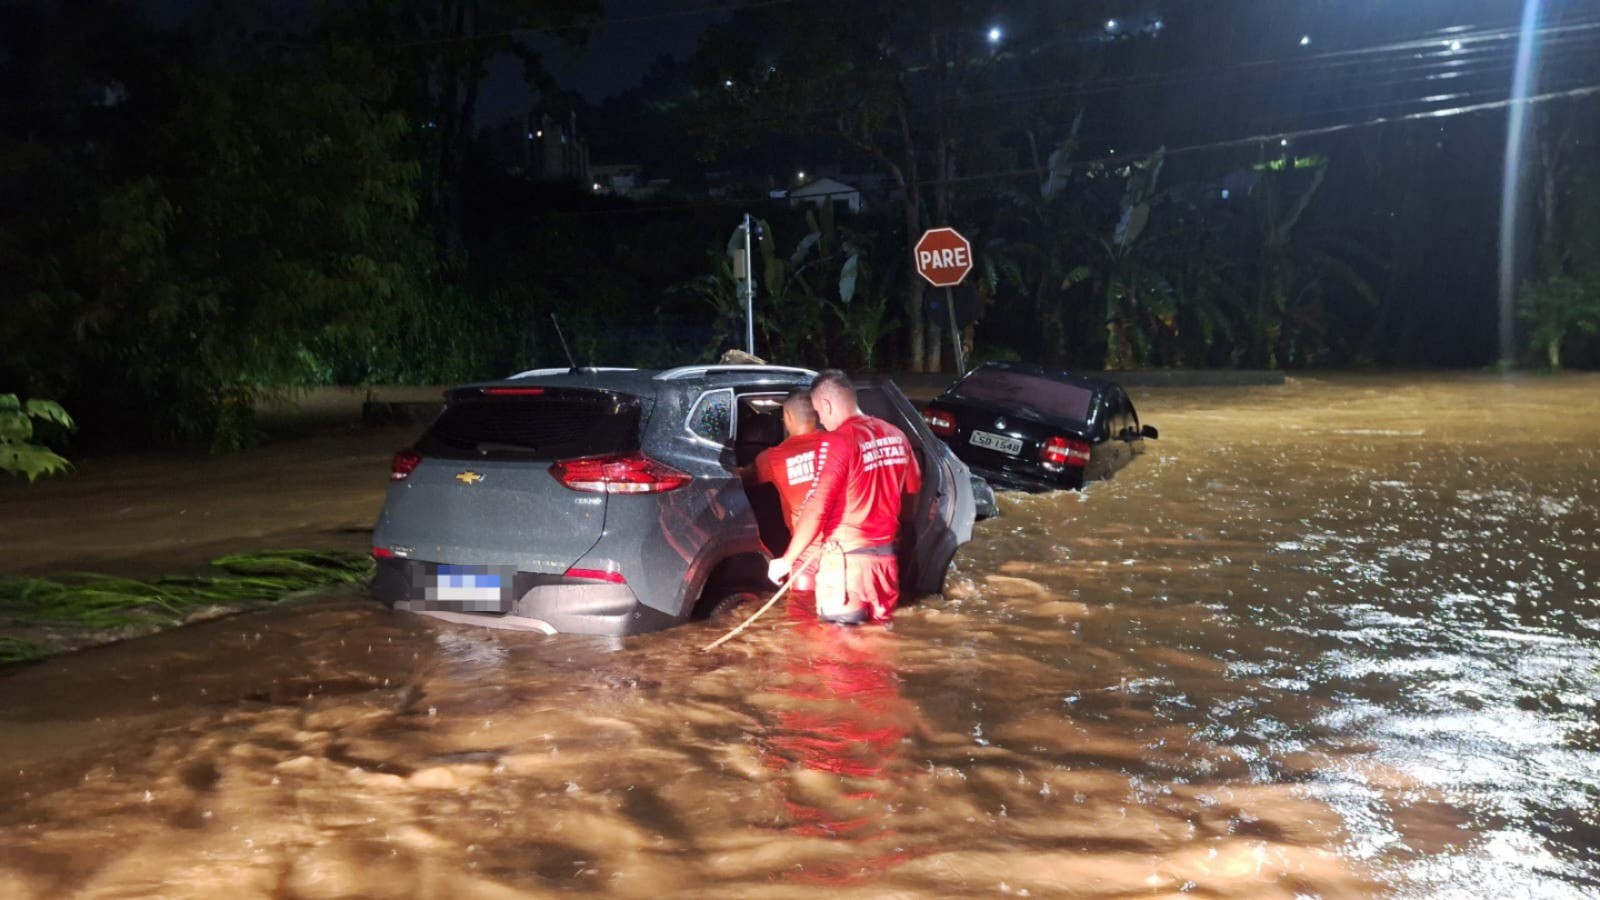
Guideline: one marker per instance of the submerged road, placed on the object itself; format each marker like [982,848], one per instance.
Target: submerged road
[1338,638]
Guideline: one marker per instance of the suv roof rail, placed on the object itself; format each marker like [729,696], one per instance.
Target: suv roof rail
[567,370]
[683,372]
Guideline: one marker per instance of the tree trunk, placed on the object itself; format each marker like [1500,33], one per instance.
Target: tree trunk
[915,286]
[1048,313]
[1553,351]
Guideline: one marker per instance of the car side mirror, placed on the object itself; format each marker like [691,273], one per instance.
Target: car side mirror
[1149,431]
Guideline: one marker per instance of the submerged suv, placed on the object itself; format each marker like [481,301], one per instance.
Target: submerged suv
[605,502]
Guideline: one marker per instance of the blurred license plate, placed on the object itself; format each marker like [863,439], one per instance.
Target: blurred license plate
[999,442]
[473,588]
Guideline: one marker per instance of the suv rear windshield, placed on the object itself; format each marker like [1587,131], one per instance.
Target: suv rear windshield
[1053,398]
[555,423]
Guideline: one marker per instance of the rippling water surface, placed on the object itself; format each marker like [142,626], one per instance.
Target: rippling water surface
[1339,638]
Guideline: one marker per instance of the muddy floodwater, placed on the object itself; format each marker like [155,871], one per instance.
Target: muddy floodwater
[1339,638]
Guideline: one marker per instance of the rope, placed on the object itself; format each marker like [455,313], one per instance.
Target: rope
[746,623]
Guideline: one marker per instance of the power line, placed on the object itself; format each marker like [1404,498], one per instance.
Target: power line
[1566,41]
[1231,143]
[601,22]
[1234,143]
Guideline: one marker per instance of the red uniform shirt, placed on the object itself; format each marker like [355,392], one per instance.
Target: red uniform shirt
[792,468]
[863,472]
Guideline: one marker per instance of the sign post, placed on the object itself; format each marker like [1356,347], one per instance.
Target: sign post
[744,274]
[944,258]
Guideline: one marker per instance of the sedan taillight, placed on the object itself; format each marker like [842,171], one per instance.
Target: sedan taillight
[939,421]
[1061,451]
[628,473]
[404,463]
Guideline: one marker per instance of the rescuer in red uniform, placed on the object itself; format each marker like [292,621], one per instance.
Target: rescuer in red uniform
[865,466]
[792,467]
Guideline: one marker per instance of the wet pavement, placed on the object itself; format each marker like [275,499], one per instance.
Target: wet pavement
[1339,638]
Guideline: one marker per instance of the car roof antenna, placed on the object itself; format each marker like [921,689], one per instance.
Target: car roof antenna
[576,369]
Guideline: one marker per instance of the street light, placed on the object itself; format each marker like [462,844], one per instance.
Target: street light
[995,34]
[1305,40]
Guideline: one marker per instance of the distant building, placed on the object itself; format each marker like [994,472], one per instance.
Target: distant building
[555,151]
[620,179]
[826,190]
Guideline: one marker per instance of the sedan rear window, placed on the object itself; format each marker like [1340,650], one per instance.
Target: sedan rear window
[1053,398]
[559,423]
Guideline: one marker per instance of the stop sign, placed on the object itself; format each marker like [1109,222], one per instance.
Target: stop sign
[943,257]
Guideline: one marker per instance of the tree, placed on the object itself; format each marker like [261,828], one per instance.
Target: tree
[1557,309]
[439,52]
[199,233]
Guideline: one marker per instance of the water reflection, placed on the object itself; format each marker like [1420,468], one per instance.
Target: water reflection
[836,744]
[1335,639]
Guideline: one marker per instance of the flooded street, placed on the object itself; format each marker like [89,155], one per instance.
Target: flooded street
[1339,638]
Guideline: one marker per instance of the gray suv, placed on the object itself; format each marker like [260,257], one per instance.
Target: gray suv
[604,501]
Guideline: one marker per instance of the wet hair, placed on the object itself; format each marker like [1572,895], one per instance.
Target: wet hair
[835,382]
[798,403]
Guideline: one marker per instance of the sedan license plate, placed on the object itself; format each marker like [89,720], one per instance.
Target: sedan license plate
[471,588]
[996,442]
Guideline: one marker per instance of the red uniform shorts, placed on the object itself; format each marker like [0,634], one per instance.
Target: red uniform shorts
[873,580]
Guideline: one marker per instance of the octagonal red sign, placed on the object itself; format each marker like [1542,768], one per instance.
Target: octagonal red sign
[943,257]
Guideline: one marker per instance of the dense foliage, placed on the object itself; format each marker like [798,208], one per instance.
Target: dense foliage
[194,218]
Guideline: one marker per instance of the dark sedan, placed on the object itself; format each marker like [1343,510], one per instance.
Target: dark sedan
[1037,429]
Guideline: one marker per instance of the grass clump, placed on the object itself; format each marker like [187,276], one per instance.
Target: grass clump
[15,651]
[88,600]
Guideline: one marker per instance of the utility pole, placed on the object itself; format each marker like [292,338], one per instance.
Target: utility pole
[749,292]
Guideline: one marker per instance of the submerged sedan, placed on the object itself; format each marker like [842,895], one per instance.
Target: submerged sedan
[1036,429]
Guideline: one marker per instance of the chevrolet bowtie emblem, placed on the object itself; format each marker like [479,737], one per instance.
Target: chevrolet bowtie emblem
[468,477]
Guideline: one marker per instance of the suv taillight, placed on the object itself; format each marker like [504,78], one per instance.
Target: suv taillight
[404,462]
[629,473]
[1060,451]
[939,422]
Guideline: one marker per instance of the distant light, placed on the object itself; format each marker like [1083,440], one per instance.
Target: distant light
[1111,24]
[1113,152]
[1305,40]
[530,135]
[538,134]
[800,175]
[728,83]
[1455,46]
[597,185]
[1157,25]
[1225,193]
[994,35]
[1283,143]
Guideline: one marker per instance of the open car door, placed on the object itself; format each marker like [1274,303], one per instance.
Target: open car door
[940,518]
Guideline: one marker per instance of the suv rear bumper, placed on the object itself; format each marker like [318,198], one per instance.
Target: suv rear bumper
[548,603]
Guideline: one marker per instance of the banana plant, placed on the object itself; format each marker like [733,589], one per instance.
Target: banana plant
[1557,309]
[19,453]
